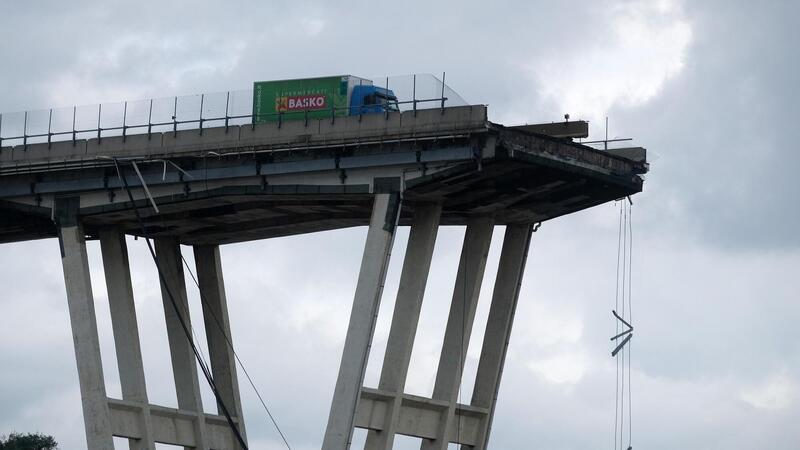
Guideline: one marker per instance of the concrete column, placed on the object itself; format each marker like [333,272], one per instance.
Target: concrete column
[413,278]
[459,323]
[184,365]
[126,329]
[218,331]
[498,328]
[357,343]
[80,299]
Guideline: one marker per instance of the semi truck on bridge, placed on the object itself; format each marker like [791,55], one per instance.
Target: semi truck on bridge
[314,98]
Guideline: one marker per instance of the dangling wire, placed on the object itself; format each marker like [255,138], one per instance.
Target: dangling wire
[622,302]
[622,356]
[616,324]
[630,319]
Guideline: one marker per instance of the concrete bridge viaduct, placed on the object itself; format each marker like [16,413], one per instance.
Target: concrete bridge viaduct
[423,169]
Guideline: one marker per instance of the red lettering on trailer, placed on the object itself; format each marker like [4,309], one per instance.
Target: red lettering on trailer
[302,102]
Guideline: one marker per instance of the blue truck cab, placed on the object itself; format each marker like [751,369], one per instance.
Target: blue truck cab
[368,99]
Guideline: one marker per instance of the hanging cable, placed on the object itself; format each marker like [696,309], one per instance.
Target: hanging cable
[616,332]
[622,357]
[622,351]
[181,320]
[236,355]
[630,318]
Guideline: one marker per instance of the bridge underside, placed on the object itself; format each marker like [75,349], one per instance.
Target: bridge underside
[510,191]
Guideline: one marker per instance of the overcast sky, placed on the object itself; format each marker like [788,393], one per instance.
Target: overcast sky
[710,88]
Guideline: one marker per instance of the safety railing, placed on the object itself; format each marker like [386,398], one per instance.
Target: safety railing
[200,111]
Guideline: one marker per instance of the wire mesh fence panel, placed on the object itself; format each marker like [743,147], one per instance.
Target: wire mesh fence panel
[137,116]
[214,109]
[62,123]
[451,97]
[403,88]
[86,118]
[241,107]
[111,118]
[420,91]
[188,111]
[163,114]
[435,93]
[13,126]
[37,125]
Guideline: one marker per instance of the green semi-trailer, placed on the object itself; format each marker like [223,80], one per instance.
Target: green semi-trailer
[316,98]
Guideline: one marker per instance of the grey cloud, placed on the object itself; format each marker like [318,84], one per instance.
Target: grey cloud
[716,251]
[723,131]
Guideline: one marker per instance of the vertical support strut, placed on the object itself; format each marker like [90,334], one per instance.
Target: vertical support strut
[413,279]
[80,300]
[511,269]
[383,222]
[218,331]
[459,324]
[126,329]
[184,366]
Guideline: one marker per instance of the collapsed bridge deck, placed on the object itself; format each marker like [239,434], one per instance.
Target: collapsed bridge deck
[238,183]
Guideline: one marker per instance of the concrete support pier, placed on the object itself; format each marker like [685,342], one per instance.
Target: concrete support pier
[133,417]
[357,344]
[413,279]
[441,420]
[218,330]
[498,328]
[126,330]
[184,365]
[459,324]
[84,333]
[384,412]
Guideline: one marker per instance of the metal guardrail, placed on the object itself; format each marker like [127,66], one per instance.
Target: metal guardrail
[128,117]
